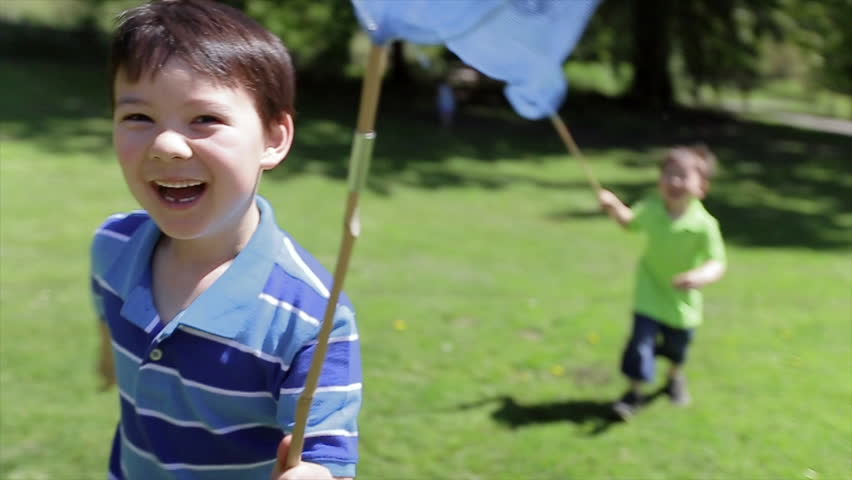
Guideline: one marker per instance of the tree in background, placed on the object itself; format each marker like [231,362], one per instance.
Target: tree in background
[825,29]
[718,43]
[318,34]
[669,45]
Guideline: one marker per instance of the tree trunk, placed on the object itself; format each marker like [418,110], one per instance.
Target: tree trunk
[652,83]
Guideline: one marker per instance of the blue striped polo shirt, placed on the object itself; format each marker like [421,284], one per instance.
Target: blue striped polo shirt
[209,395]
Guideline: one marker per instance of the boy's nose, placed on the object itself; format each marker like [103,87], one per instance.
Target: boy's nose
[675,181]
[169,145]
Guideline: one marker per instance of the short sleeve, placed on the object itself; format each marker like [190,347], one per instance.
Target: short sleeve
[107,246]
[96,289]
[331,434]
[714,245]
[641,210]
[101,254]
[98,300]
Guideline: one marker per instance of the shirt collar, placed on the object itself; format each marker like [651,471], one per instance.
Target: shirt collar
[222,308]
[691,217]
[689,220]
[130,275]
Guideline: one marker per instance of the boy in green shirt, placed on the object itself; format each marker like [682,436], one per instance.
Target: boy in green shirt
[684,253]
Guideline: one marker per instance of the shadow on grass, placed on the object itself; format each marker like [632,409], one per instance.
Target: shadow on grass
[597,416]
[779,186]
[594,416]
[63,108]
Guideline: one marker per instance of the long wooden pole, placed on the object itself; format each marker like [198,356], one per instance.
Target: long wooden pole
[574,149]
[359,163]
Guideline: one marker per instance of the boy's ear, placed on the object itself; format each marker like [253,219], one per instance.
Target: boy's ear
[705,187]
[279,138]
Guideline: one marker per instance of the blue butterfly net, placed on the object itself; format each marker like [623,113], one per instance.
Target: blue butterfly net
[521,42]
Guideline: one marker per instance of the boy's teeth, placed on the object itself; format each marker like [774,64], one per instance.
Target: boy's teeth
[183,184]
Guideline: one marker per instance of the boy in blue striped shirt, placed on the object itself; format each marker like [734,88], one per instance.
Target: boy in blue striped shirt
[209,311]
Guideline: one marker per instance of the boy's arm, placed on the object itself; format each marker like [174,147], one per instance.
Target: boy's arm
[713,248]
[615,208]
[106,366]
[710,272]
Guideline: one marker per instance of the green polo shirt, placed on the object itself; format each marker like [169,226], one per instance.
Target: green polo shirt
[674,246]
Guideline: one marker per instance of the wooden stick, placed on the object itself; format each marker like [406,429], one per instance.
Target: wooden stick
[358,166]
[371,89]
[572,147]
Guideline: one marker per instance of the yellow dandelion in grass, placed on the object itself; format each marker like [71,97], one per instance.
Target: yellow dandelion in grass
[593,338]
[400,325]
[795,361]
[557,370]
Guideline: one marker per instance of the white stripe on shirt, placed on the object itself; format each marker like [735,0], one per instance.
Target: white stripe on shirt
[126,397]
[202,386]
[109,233]
[195,424]
[153,324]
[318,285]
[239,346]
[347,338]
[331,433]
[104,285]
[290,308]
[125,352]
[332,388]
[189,466]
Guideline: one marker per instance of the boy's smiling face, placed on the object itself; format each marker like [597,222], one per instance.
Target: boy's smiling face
[681,180]
[192,151]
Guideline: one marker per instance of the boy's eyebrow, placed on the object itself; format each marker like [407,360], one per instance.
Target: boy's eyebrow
[202,103]
[129,100]
[206,103]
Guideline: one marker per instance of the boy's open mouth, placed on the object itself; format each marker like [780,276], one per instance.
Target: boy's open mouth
[182,193]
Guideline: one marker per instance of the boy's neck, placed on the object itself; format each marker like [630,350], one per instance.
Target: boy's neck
[184,269]
[676,210]
[215,249]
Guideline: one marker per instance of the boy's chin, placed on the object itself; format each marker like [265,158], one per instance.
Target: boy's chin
[677,200]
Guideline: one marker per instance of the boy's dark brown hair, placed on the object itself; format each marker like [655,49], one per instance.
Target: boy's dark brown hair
[214,40]
[708,163]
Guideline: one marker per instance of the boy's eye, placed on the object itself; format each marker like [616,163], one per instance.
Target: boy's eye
[206,119]
[136,117]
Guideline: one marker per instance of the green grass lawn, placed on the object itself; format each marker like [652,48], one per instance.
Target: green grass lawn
[493,298]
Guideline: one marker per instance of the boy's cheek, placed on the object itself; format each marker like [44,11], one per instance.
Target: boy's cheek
[127,148]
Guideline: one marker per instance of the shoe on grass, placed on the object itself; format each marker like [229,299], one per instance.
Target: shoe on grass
[627,406]
[678,392]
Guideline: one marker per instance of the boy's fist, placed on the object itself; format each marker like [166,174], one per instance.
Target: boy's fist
[686,281]
[607,199]
[106,371]
[302,471]
[106,366]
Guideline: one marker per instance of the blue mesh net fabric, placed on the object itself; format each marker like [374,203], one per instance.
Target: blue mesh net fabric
[521,42]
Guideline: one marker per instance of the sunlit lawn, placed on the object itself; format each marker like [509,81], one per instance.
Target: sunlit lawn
[493,298]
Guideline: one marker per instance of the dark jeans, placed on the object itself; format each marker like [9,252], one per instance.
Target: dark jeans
[649,339]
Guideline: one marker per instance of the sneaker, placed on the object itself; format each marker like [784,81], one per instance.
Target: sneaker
[627,406]
[678,392]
